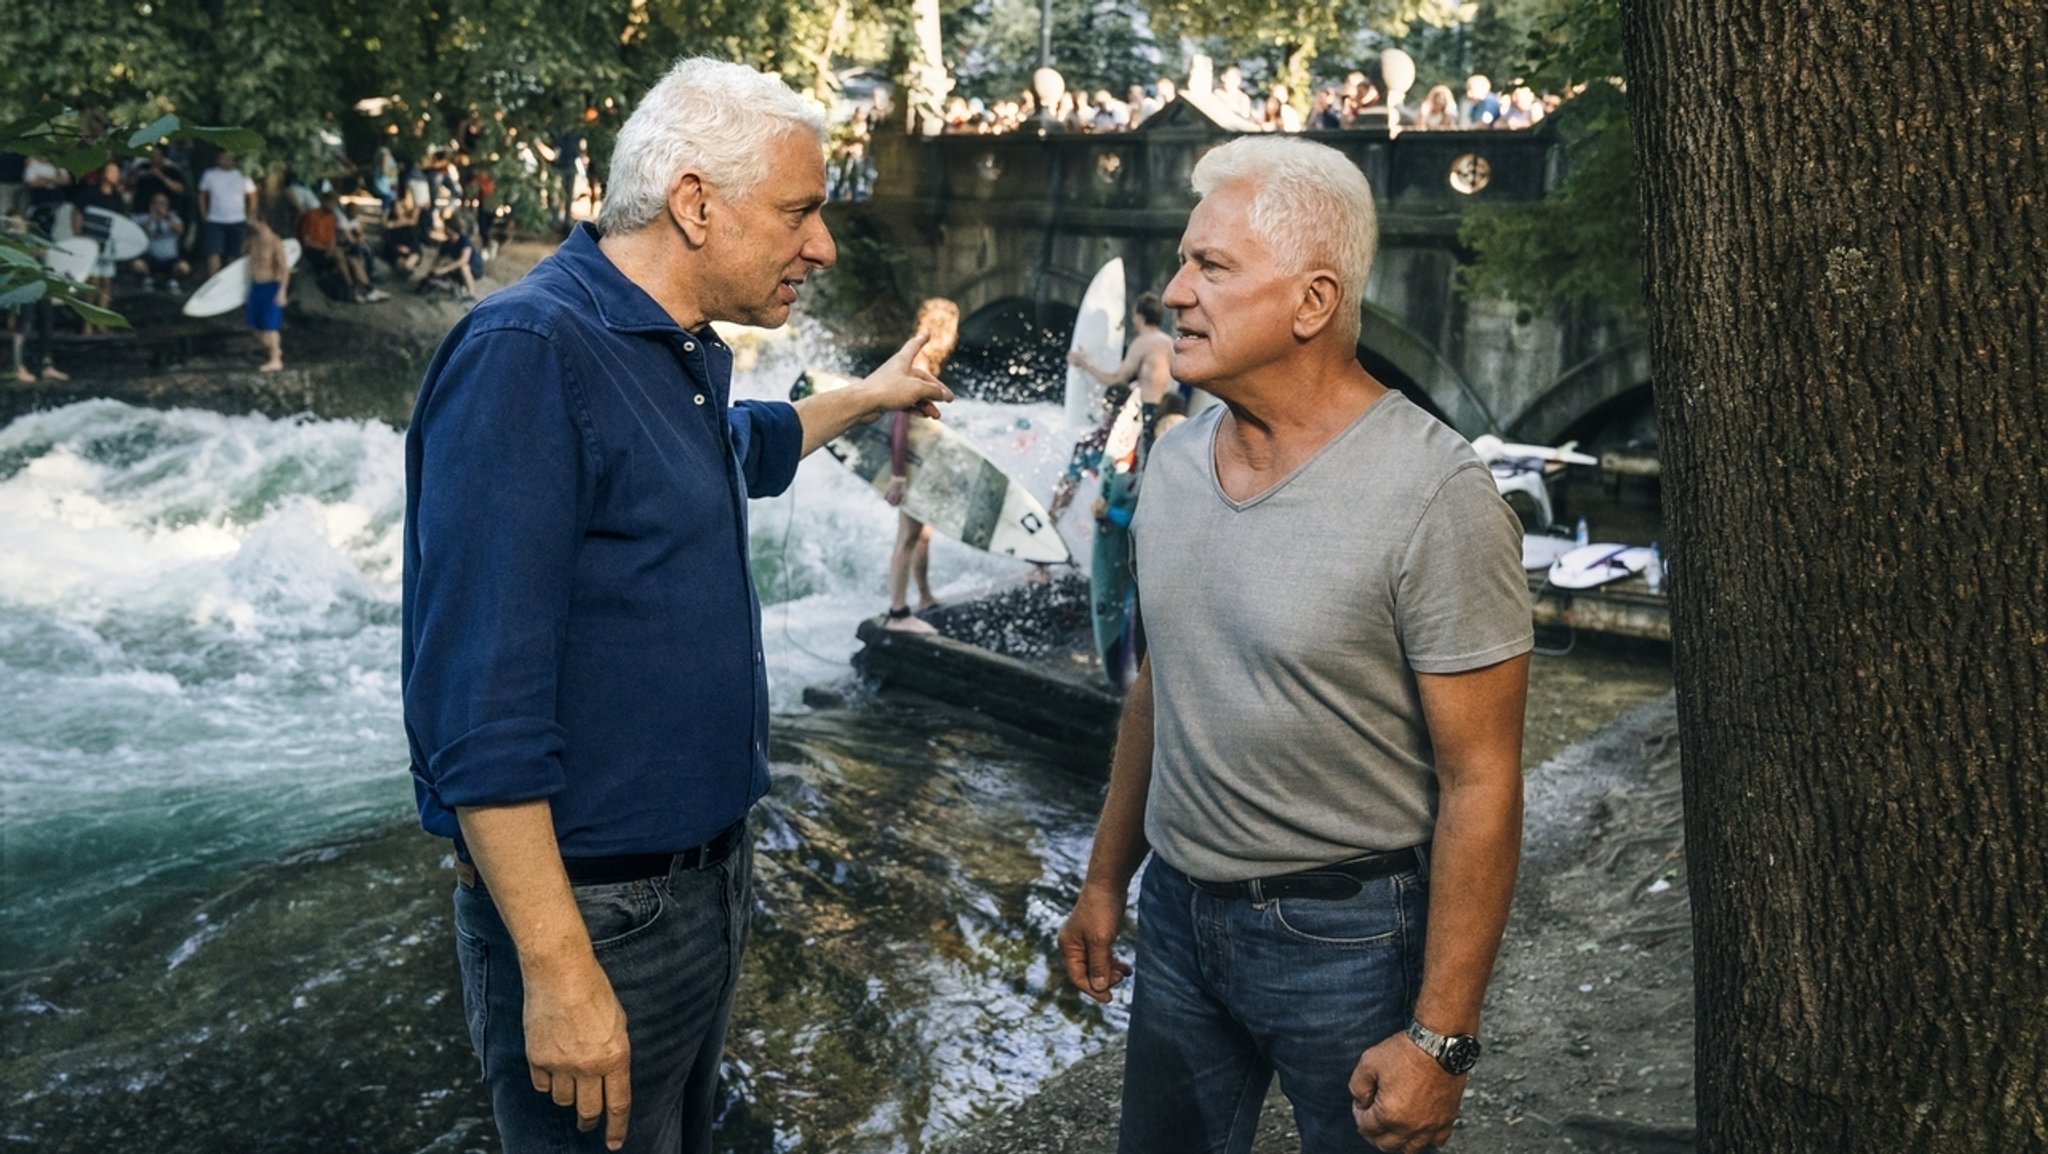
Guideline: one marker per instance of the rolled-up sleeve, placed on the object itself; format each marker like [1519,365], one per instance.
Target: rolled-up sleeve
[504,479]
[769,440]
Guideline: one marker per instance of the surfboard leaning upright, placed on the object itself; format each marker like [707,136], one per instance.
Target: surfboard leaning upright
[952,487]
[1099,332]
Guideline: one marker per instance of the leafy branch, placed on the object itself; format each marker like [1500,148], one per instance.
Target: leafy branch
[52,131]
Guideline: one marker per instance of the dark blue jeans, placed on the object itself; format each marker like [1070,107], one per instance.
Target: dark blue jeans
[671,948]
[1230,992]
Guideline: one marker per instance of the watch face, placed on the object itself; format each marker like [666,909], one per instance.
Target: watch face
[1460,1053]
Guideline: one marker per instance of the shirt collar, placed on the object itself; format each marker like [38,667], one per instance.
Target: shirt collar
[623,306]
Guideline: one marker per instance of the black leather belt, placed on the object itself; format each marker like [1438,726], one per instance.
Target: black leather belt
[1327,883]
[630,867]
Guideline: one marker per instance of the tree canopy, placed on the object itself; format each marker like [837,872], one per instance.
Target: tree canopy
[1584,242]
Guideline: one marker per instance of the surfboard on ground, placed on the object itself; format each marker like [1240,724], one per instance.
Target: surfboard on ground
[228,289]
[119,236]
[73,257]
[1598,564]
[1098,332]
[1541,550]
[952,487]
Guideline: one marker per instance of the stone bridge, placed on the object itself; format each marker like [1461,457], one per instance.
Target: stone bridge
[1013,227]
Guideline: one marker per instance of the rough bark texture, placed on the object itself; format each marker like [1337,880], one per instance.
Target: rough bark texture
[1846,205]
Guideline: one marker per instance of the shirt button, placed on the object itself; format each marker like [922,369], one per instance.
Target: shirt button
[689,346]
[700,398]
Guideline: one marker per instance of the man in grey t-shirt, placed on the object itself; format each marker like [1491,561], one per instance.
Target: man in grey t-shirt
[1323,752]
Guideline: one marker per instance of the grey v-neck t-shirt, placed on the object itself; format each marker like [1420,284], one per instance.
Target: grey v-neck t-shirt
[1285,633]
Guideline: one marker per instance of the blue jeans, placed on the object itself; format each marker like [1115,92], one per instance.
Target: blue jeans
[1230,992]
[671,948]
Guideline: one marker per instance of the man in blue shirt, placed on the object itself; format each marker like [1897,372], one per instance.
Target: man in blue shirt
[585,698]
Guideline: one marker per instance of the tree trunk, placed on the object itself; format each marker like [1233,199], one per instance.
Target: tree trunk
[1846,215]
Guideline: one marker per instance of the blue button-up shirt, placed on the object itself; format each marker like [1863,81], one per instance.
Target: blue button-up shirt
[580,622]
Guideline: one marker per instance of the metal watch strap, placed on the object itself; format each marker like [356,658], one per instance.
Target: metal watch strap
[1440,1047]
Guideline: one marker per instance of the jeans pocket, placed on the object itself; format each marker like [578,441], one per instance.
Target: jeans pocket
[1370,918]
[617,912]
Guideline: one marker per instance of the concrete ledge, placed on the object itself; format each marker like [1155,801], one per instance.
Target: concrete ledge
[1622,609]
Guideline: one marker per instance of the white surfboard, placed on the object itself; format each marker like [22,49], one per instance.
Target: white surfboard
[228,289]
[119,236]
[952,487]
[1598,564]
[1098,332]
[73,257]
[1540,550]
[1492,448]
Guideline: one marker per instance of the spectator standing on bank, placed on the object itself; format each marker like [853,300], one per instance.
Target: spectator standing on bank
[164,258]
[153,175]
[384,178]
[227,198]
[103,192]
[49,189]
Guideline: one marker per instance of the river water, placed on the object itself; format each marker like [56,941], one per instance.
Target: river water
[219,930]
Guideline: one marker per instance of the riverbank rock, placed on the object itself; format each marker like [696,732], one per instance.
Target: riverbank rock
[341,359]
[1589,1019]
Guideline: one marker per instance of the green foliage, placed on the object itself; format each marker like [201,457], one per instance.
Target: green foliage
[80,146]
[1583,243]
[1291,36]
[1096,44]
[509,71]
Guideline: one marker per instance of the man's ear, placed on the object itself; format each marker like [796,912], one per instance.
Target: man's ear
[1321,297]
[689,205]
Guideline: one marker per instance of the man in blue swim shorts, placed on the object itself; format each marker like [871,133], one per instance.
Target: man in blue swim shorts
[269,274]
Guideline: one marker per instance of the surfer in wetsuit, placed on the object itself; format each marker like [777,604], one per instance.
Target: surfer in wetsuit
[939,320]
[1146,362]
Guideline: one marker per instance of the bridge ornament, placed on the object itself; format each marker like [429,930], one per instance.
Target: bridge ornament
[1470,173]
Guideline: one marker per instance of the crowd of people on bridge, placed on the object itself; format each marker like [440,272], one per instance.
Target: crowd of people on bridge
[1357,101]
[1362,99]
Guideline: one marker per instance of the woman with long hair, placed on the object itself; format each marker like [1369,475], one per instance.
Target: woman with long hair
[1439,110]
[939,320]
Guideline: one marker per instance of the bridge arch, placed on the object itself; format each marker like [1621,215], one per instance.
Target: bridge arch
[1451,398]
[1581,390]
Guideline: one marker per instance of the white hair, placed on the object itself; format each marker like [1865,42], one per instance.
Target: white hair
[716,117]
[1310,205]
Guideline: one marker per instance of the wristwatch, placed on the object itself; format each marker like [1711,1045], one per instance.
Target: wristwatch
[1456,1053]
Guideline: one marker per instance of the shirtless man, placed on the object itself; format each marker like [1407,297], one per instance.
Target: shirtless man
[269,276]
[1144,362]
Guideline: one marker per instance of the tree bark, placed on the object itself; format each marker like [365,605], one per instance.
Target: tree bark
[1845,206]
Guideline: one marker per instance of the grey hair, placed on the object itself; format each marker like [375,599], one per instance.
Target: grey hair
[1310,205]
[716,117]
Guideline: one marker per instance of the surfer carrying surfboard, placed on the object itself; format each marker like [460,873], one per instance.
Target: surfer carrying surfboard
[270,275]
[1323,746]
[1146,361]
[938,321]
